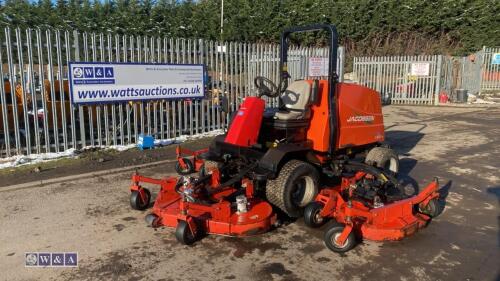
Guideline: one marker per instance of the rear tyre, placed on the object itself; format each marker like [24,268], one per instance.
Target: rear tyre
[207,166]
[432,208]
[331,235]
[184,171]
[183,234]
[383,158]
[294,188]
[138,203]
[312,217]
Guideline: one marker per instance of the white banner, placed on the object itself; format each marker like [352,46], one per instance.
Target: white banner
[124,82]
[420,69]
[318,66]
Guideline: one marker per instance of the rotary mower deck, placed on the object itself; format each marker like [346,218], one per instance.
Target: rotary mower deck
[356,217]
[203,206]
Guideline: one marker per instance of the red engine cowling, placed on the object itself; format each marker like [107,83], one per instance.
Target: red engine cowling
[245,126]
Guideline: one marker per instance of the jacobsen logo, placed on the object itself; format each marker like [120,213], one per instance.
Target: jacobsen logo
[366,118]
[93,75]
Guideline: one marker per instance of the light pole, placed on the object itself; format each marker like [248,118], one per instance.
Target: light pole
[222,46]
[221,19]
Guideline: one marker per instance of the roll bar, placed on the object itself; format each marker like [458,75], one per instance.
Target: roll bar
[332,70]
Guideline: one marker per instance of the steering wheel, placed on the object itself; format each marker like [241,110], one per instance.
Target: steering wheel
[266,87]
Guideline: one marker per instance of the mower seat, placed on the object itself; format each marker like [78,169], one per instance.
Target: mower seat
[296,101]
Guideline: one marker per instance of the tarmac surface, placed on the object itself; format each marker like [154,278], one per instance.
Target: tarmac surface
[92,216]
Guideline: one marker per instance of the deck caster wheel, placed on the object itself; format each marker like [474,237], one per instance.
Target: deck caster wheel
[151,220]
[312,217]
[138,203]
[331,235]
[186,170]
[432,208]
[183,234]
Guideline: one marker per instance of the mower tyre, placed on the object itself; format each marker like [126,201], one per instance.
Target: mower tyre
[331,235]
[311,215]
[207,166]
[432,208]
[184,171]
[183,234]
[383,158]
[137,203]
[151,220]
[294,188]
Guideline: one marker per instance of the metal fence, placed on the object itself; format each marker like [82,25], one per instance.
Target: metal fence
[393,78]
[490,73]
[37,115]
[474,73]
[396,80]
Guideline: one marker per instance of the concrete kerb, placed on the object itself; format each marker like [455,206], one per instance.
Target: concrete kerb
[43,183]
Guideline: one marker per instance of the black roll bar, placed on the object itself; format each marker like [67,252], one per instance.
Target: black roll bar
[332,70]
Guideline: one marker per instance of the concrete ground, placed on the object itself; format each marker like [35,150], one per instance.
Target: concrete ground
[92,216]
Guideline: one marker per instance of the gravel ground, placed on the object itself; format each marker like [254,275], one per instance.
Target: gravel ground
[92,217]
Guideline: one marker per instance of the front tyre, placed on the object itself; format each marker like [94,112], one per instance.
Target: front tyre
[183,233]
[312,218]
[431,209]
[140,203]
[187,169]
[334,232]
[294,188]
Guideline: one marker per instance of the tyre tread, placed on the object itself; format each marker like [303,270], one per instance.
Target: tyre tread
[275,189]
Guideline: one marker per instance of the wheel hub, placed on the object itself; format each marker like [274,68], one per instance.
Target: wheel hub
[334,240]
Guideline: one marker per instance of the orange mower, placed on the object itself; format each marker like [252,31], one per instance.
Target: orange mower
[319,154]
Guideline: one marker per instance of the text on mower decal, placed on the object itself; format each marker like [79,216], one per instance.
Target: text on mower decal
[366,118]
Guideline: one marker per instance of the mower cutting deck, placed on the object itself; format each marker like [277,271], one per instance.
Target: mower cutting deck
[360,217]
[203,206]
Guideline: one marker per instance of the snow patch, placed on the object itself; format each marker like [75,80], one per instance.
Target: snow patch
[20,160]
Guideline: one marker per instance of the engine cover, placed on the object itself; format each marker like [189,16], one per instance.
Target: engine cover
[245,127]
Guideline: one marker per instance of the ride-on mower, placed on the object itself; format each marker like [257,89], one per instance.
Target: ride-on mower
[323,132]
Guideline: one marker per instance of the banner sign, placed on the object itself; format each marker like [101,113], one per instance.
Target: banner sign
[420,69]
[124,82]
[318,66]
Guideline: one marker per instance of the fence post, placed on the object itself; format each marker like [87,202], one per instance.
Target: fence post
[481,66]
[438,79]
[378,81]
[341,63]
